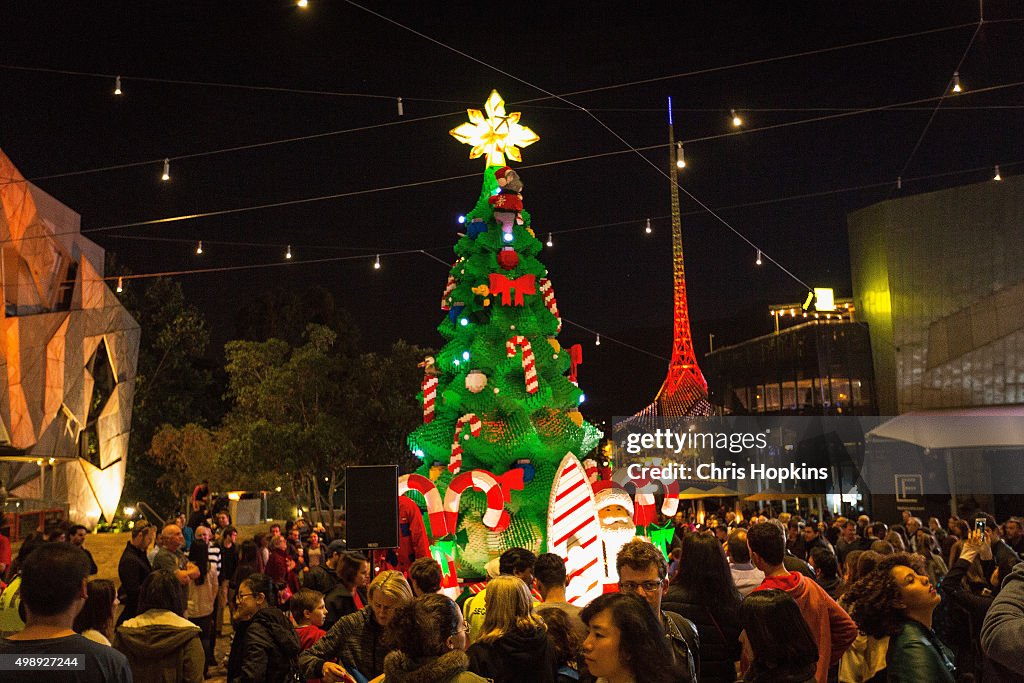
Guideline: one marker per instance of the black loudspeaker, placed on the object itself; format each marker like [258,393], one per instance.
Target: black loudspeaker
[371,507]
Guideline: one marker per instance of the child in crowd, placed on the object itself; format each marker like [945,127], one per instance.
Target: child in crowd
[308,612]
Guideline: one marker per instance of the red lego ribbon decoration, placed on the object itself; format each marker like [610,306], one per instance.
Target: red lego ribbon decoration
[502,286]
[510,481]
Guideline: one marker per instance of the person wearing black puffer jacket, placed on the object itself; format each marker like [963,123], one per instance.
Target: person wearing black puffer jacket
[703,591]
[265,647]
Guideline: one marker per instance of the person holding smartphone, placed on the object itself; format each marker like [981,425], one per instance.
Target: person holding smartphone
[969,588]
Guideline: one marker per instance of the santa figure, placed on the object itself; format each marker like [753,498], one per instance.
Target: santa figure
[615,515]
[510,194]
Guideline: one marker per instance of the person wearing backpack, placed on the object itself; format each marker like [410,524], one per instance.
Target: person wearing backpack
[265,647]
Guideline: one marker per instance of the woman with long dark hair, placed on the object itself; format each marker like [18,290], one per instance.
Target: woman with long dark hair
[625,642]
[897,600]
[429,637]
[704,592]
[783,649]
[353,570]
[97,615]
[513,645]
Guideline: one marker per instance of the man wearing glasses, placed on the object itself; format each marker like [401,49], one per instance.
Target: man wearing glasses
[643,571]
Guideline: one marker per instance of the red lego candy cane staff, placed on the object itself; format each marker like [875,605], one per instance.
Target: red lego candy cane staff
[429,386]
[495,488]
[644,507]
[448,289]
[575,361]
[455,463]
[548,292]
[529,361]
[435,506]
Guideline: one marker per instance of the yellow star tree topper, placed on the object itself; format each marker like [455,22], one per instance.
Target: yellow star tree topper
[496,135]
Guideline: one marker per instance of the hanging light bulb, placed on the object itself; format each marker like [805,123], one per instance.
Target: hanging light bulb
[117,85]
[401,109]
[550,242]
[597,341]
[303,3]
[647,227]
[680,157]
[288,252]
[376,264]
[956,82]
[736,120]
[758,261]
[199,247]
[997,176]
[166,175]
[120,285]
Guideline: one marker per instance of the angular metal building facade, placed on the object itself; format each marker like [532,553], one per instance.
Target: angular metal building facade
[69,358]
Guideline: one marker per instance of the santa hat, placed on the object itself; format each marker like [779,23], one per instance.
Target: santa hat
[500,173]
[607,493]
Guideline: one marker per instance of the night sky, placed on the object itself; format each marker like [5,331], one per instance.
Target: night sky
[614,280]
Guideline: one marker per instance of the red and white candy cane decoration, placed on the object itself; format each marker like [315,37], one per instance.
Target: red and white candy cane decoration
[495,518]
[429,397]
[435,506]
[455,463]
[548,292]
[448,289]
[529,361]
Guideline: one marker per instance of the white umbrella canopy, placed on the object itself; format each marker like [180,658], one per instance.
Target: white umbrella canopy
[984,427]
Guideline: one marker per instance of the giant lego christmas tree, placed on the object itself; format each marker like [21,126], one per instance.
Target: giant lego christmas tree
[500,399]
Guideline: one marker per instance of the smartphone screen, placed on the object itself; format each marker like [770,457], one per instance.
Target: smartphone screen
[979,524]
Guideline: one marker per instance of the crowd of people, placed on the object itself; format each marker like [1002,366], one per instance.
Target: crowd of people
[782,600]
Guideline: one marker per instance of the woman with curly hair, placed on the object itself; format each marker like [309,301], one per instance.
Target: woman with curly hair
[513,645]
[429,635]
[783,648]
[626,642]
[897,600]
[565,641]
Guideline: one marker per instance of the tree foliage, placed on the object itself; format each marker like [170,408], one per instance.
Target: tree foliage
[293,404]
[300,415]
[187,454]
[176,382]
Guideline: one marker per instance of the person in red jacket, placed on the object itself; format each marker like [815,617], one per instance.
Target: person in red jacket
[280,567]
[413,542]
[831,627]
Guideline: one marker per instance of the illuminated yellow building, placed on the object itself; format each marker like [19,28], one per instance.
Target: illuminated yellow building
[939,279]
